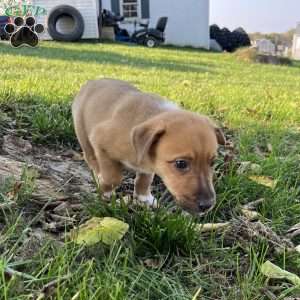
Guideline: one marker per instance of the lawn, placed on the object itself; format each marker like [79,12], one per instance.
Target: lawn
[163,256]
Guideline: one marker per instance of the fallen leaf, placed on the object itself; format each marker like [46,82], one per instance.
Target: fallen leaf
[76,156]
[151,263]
[294,231]
[269,147]
[264,180]
[272,271]
[251,215]
[259,152]
[106,230]
[253,205]
[15,190]
[294,228]
[249,167]
[256,169]
[212,226]
[244,166]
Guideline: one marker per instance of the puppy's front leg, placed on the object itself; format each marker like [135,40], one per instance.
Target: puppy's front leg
[142,189]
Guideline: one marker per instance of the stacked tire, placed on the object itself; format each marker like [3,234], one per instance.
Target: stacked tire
[229,41]
[241,37]
[65,11]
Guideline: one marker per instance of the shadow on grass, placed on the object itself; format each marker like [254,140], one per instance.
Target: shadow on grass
[106,57]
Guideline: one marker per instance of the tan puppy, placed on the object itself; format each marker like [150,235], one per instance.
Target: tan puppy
[119,127]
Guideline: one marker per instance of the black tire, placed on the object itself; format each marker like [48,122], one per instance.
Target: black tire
[151,42]
[65,10]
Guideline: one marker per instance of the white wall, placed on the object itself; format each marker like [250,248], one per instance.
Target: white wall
[265,46]
[87,8]
[296,44]
[106,4]
[296,47]
[188,23]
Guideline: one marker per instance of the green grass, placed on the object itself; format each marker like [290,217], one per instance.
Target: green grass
[259,103]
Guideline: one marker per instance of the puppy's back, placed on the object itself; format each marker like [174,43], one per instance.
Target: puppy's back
[106,91]
[97,100]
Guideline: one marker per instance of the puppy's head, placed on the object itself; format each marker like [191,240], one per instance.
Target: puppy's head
[181,148]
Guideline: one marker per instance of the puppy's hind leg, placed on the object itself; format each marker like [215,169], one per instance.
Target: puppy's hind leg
[142,189]
[110,175]
[88,151]
[91,160]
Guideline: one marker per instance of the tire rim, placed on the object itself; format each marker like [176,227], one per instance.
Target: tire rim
[150,43]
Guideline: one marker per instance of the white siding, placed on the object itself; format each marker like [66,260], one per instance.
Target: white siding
[298,29]
[188,23]
[296,47]
[265,47]
[296,44]
[106,4]
[87,8]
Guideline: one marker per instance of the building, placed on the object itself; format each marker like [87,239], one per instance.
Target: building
[89,9]
[296,44]
[265,46]
[188,20]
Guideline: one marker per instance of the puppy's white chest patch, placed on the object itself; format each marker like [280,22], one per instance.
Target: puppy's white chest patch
[169,105]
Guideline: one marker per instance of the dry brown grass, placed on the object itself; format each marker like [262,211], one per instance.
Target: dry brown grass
[251,55]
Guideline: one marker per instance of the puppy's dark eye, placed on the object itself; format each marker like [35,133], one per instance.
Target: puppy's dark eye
[181,164]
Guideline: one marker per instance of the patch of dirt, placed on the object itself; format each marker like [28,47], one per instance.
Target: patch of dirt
[62,178]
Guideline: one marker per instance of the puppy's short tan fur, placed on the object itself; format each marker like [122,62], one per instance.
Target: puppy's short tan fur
[119,127]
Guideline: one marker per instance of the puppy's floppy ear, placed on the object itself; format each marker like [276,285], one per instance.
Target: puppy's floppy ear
[220,136]
[144,136]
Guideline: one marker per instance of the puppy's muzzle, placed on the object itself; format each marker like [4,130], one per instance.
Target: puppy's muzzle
[206,202]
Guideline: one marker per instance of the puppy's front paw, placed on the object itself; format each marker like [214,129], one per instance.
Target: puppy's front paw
[149,200]
[107,195]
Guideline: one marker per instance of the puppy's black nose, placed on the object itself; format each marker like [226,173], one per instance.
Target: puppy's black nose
[205,206]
